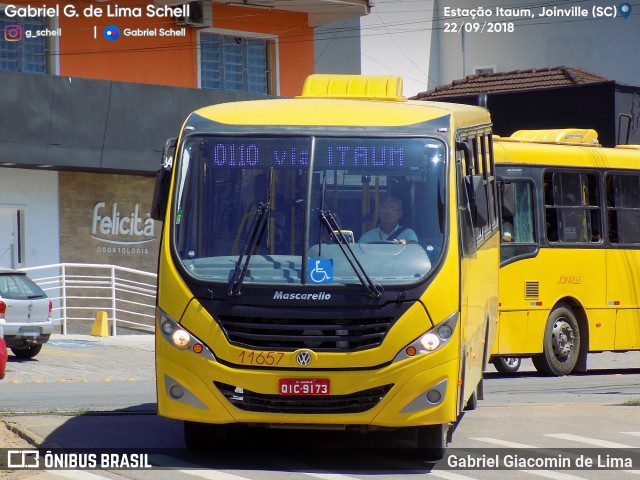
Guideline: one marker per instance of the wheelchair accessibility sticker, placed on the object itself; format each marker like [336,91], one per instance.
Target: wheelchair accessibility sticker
[319,271]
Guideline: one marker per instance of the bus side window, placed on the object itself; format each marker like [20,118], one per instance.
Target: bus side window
[551,217]
[572,207]
[467,233]
[517,212]
[592,201]
[507,213]
[573,221]
[623,198]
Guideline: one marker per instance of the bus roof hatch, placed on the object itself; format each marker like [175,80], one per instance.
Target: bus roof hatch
[354,87]
[564,136]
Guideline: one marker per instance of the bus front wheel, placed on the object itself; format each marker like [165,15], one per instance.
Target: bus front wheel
[205,436]
[432,441]
[506,364]
[561,343]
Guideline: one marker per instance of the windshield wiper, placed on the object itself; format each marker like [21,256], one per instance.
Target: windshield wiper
[331,224]
[253,239]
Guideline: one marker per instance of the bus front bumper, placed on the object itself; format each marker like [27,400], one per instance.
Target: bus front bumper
[420,391]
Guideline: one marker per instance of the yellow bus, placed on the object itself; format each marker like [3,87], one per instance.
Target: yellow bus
[272,309]
[570,252]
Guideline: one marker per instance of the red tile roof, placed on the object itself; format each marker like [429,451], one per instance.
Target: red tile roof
[518,80]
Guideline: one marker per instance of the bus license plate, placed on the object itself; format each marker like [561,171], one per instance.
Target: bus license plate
[304,386]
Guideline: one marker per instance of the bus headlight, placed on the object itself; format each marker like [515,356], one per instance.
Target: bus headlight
[167,327]
[180,338]
[445,332]
[431,341]
[172,331]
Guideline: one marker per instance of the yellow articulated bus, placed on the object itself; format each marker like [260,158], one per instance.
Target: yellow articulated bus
[327,262]
[570,252]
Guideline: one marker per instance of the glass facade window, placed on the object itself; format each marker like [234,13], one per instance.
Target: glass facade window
[234,63]
[18,52]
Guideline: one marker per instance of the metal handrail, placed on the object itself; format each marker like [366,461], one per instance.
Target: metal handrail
[92,292]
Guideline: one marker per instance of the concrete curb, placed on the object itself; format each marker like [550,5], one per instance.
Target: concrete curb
[29,436]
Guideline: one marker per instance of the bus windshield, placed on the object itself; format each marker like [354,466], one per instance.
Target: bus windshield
[254,210]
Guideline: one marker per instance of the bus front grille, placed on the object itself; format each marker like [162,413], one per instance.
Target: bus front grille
[357,402]
[294,333]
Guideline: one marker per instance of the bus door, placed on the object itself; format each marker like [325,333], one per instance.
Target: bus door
[475,239]
[623,274]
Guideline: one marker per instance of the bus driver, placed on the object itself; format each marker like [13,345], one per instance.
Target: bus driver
[389,228]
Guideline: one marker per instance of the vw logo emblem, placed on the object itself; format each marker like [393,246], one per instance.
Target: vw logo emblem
[303,358]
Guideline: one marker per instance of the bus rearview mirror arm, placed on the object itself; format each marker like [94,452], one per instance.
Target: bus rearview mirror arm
[476,191]
[163,181]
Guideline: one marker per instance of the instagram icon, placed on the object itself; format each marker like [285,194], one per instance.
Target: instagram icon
[13,33]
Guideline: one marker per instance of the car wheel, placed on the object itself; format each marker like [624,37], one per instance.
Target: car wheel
[26,352]
[506,364]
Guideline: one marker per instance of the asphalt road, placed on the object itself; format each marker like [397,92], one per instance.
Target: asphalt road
[521,411]
[121,374]
[77,373]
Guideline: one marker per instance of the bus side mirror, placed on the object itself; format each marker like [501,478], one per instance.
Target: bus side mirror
[477,200]
[163,181]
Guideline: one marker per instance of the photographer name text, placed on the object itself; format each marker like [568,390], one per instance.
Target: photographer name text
[97,11]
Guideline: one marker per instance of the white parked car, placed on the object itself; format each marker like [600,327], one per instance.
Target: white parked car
[25,313]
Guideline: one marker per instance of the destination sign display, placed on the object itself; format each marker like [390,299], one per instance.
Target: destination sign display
[331,153]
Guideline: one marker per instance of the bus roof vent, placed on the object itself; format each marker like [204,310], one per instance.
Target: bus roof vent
[360,87]
[565,136]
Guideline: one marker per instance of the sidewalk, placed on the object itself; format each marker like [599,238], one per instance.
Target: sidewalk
[80,432]
[86,358]
[83,361]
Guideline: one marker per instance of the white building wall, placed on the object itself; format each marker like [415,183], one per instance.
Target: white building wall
[337,47]
[396,39]
[35,193]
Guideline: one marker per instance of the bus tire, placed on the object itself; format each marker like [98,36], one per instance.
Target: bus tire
[506,364]
[561,343]
[195,435]
[432,441]
[472,403]
[205,436]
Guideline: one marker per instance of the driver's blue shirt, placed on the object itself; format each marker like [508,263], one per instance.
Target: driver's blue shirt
[377,235]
